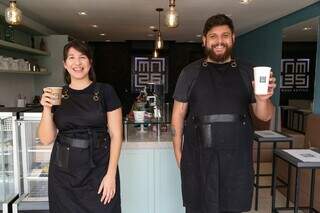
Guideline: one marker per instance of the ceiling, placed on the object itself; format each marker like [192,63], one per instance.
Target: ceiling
[305,31]
[122,20]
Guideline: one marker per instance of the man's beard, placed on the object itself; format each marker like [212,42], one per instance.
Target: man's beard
[209,53]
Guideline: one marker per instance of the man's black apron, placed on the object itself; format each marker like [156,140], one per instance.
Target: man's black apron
[79,159]
[216,164]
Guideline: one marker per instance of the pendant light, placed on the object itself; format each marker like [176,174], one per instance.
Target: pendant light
[159,41]
[13,15]
[155,53]
[172,17]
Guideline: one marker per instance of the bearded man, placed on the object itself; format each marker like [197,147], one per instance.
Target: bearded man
[211,124]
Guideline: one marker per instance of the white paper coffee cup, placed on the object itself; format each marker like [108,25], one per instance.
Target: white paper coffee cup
[138,116]
[56,93]
[261,80]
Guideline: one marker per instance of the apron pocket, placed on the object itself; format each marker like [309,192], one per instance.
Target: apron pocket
[227,135]
[62,156]
[205,135]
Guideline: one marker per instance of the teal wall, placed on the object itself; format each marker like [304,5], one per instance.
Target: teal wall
[263,46]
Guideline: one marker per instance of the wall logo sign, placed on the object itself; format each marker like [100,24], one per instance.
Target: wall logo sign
[295,75]
[148,70]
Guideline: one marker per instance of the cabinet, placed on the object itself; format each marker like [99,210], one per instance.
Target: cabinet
[9,165]
[150,178]
[35,159]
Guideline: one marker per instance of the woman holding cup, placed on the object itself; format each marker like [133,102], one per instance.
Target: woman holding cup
[83,173]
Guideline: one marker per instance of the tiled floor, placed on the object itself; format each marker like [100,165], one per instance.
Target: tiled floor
[264,194]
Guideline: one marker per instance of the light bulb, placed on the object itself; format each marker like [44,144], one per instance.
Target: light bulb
[172,18]
[13,15]
[155,54]
[159,42]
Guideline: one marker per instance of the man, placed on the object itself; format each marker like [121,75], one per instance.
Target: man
[211,117]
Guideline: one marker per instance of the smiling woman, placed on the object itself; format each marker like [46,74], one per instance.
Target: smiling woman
[77,62]
[83,165]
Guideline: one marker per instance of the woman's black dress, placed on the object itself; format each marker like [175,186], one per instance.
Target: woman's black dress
[80,154]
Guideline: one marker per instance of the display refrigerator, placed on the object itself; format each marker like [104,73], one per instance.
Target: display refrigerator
[35,159]
[9,158]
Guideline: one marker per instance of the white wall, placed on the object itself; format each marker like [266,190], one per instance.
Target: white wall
[54,63]
[11,85]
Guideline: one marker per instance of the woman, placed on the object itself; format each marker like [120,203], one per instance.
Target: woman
[83,174]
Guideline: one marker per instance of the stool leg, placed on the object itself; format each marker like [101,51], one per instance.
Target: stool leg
[274,146]
[297,189]
[289,178]
[274,183]
[313,174]
[257,177]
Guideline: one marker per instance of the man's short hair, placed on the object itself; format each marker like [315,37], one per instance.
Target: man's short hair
[217,20]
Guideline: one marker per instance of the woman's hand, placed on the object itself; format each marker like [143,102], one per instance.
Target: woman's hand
[108,188]
[46,98]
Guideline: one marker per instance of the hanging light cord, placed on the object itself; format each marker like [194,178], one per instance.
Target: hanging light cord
[159,21]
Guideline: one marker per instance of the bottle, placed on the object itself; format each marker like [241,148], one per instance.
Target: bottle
[43,46]
[32,42]
[8,36]
[21,102]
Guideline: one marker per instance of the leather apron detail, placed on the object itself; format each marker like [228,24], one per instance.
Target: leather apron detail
[207,129]
[96,138]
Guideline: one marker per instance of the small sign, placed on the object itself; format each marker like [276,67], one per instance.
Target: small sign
[305,155]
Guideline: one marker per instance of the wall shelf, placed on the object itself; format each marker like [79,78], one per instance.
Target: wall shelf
[24,72]
[22,48]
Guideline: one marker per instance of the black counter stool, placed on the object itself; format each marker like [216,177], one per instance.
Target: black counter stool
[273,137]
[299,164]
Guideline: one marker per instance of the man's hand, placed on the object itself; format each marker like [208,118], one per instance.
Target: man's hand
[272,85]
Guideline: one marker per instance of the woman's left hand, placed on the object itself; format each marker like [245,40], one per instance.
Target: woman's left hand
[108,188]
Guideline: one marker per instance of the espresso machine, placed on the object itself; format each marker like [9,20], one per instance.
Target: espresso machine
[155,98]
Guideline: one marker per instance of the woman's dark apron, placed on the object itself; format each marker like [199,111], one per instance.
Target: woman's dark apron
[79,161]
[216,164]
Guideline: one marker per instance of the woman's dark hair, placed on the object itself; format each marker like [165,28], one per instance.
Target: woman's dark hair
[217,20]
[85,50]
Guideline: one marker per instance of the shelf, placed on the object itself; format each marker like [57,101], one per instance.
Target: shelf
[5,153]
[22,48]
[36,178]
[24,72]
[40,150]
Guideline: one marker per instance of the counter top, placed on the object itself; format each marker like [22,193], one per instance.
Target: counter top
[146,145]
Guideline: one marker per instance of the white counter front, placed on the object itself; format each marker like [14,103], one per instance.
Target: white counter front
[150,178]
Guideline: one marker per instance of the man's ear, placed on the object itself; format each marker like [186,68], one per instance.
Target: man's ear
[204,41]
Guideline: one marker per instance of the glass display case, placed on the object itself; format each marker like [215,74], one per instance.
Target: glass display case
[9,164]
[35,165]
[147,130]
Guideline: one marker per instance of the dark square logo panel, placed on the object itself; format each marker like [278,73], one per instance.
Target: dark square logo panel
[295,75]
[148,70]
